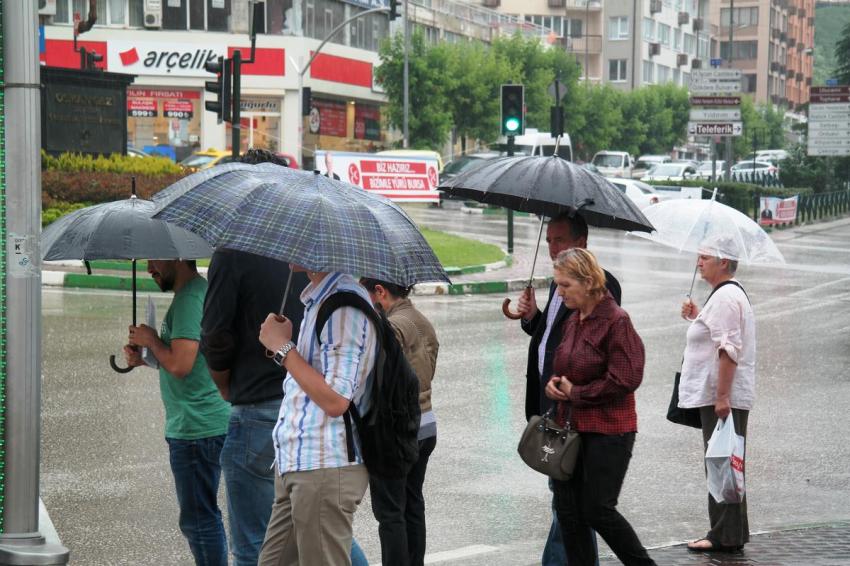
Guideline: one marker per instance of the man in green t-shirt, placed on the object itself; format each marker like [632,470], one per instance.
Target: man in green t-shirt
[196,417]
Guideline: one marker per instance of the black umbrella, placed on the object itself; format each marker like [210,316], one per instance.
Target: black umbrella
[548,186]
[122,229]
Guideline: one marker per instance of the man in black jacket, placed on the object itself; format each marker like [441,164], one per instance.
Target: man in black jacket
[546,331]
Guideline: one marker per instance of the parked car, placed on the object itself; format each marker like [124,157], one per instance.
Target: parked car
[535,142]
[205,159]
[670,172]
[771,155]
[759,167]
[645,163]
[614,163]
[640,193]
[704,169]
[590,167]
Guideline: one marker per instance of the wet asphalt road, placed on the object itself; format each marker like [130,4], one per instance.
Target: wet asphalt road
[105,476]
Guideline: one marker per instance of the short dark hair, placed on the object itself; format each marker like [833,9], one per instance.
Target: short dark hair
[393,289]
[193,264]
[255,156]
[577,224]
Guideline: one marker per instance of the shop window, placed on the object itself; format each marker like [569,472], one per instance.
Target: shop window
[174,14]
[367,122]
[196,14]
[164,120]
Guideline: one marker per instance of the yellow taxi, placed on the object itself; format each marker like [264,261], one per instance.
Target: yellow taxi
[206,159]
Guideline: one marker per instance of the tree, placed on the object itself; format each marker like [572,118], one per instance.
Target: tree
[603,119]
[430,117]
[842,56]
[764,123]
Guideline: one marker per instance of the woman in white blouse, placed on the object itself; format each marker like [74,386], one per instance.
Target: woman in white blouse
[718,375]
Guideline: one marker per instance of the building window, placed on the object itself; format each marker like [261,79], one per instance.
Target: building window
[742,17]
[649,29]
[749,83]
[663,74]
[664,34]
[677,40]
[618,28]
[677,77]
[690,44]
[648,72]
[617,70]
[110,13]
[740,50]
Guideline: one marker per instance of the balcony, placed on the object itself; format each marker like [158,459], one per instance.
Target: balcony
[591,44]
[591,5]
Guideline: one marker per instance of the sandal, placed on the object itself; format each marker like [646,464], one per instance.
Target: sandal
[707,545]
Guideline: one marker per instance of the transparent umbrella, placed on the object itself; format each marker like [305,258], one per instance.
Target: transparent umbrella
[688,224]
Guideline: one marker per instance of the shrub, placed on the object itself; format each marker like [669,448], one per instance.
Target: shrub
[115,163]
[96,187]
[58,210]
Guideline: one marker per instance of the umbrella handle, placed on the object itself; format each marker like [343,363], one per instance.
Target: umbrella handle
[507,311]
[119,369]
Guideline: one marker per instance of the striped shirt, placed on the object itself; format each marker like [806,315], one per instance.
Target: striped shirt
[305,437]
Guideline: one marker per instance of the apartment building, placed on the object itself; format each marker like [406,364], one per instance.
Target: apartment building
[772,42]
[626,43]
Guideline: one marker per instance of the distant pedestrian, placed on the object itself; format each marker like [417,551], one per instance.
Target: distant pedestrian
[243,289]
[320,478]
[597,368]
[398,504]
[718,375]
[195,414]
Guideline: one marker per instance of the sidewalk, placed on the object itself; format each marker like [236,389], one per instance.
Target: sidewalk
[807,545]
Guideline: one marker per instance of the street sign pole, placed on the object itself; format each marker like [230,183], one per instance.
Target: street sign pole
[27,535]
[510,151]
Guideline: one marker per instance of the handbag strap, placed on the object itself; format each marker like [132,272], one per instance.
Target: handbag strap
[727,282]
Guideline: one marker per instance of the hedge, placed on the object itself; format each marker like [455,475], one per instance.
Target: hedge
[115,163]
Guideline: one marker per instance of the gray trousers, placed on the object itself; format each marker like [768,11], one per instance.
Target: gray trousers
[729,524]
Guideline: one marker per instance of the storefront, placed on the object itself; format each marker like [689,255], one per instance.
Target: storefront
[261,124]
[164,121]
[341,125]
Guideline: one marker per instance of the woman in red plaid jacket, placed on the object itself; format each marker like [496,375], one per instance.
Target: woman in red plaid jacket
[596,370]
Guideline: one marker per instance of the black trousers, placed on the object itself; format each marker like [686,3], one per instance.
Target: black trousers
[399,507]
[729,523]
[588,502]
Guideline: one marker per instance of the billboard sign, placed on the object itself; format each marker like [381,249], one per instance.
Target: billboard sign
[402,179]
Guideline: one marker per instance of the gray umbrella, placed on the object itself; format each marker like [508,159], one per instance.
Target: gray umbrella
[119,230]
[548,186]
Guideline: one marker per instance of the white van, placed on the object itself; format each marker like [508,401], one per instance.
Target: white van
[614,163]
[534,142]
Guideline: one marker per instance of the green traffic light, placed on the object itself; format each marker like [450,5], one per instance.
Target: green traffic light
[512,124]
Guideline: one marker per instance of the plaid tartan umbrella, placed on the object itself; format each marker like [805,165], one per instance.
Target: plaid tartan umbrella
[302,218]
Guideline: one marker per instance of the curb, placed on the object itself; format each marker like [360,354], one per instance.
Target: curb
[494,211]
[125,282]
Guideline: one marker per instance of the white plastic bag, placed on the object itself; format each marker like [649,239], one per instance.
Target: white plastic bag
[724,462]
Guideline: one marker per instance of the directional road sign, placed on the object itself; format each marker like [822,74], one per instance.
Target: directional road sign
[715,128]
[715,101]
[715,115]
[829,121]
[715,81]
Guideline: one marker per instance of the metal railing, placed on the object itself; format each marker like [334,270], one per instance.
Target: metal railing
[823,205]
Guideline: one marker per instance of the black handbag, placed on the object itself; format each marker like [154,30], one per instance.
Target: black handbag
[675,414]
[549,448]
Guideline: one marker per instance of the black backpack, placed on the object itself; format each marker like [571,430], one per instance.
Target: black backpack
[388,431]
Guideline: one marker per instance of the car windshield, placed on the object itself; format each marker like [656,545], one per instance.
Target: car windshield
[668,170]
[608,160]
[646,163]
[197,160]
[455,166]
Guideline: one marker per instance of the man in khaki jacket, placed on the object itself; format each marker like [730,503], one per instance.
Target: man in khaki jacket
[398,504]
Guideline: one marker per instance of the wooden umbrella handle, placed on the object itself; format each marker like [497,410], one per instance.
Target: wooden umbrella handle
[507,311]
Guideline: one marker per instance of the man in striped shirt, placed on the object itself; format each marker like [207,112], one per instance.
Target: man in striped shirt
[317,488]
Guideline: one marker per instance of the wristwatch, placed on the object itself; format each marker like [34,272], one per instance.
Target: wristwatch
[280,356]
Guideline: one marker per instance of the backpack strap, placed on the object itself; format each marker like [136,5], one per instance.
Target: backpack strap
[329,305]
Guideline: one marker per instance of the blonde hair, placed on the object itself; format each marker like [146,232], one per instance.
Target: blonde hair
[581,265]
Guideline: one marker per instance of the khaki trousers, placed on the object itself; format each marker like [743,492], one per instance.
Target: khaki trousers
[312,517]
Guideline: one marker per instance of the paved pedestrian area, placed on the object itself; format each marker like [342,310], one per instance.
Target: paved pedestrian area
[820,545]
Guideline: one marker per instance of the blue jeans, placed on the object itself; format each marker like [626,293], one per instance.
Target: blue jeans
[196,471]
[554,553]
[246,461]
[358,557]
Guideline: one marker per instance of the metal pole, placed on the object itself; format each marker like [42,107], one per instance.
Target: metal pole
[406,126]
[236,100]
[24,529]
[729,157]
[511,212]
[586,39]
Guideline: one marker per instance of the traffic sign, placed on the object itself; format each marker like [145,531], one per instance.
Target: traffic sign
[838,124]
[715,115]
[715,128]
[711,81]
[716,62]
[831,82]
[829,151]
[715,101]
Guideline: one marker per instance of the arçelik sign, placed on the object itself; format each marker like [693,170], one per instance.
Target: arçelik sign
[157,58]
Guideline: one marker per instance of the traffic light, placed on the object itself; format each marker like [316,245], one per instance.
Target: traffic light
[221,87]
[306,100]
[556,121]
[393,9]
[88,59]
[513,110]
